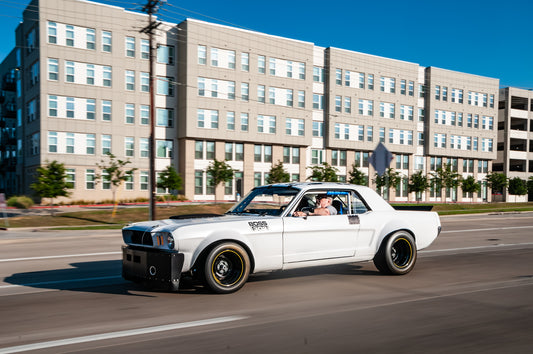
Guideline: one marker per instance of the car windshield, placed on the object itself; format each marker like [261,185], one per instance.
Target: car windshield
[265,201]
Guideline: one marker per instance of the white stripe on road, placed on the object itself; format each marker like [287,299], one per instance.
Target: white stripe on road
[60,282]
[501,245]
[59,256]
[488,229]
[119,334]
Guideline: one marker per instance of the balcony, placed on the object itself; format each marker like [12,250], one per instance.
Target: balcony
[517,165]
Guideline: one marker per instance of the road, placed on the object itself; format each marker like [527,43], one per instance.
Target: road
[470,292]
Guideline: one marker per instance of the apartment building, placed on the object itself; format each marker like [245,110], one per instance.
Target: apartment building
[250,98]
[515,137]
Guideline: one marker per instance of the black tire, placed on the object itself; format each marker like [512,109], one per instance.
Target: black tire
[397,254]
[226,268]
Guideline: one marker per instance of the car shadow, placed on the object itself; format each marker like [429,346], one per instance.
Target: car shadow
[104,277]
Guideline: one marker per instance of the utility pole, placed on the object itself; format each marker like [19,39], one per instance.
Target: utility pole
[151,7]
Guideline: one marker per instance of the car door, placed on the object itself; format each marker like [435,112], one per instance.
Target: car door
[319,237]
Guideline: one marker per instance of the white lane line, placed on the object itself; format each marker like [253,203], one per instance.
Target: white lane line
[59,256]
[60,282]
[119,334]
[488,229]
[501,245]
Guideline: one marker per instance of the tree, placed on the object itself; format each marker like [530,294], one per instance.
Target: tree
[113,172]
[357,176]
[324,173]
[418,183]
[169,179]
[51,182]
[219,172]
[445,178]
[278,174]
[497,182]
[470,185]
[388,179]
[517,186]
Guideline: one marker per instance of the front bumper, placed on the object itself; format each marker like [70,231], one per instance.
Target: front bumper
[152,266]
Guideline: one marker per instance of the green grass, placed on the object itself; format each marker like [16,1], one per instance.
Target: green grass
[103,219]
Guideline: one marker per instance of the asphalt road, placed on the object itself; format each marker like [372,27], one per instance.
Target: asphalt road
[470,292]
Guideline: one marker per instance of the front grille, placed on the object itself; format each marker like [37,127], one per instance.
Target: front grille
[141,238]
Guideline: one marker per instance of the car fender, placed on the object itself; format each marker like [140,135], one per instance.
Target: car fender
[223,236]
[389,228]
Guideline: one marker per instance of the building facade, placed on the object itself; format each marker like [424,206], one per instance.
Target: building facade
[515,137]
[82,90]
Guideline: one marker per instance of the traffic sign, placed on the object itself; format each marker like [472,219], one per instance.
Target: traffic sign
[380,159]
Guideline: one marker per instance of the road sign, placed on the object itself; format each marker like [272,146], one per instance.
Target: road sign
[380,159]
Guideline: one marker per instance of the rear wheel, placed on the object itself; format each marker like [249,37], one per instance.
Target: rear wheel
[226,268]
[397,254]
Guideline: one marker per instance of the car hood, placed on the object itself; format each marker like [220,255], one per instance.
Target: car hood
[170,225]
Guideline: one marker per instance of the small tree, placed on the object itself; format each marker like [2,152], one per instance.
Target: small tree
[169,179]
[388,179]
[497,182]
[357,176]
[278,174]
[115,174]
[219,172]
[324,173]
[470,185]
[418,183]
[445,178]
[517,186]
[51,182]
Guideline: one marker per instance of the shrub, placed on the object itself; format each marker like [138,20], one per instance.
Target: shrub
[20,202]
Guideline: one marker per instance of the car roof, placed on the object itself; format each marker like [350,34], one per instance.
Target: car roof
[374,200]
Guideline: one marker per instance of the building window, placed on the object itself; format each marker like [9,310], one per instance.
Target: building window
[129,113]
[53,69]
[89,179]
[261,64]
[52,141]
[244,122]
[245,61]
[52,106]
[130,47]
[245,91]
[202,54]
[91,109]
[106,144]
[199,150]
[52,32]
[268,153]
[106,111]
[165,54]
[318,101]
[230,120]
[91,144]
[165,86]
[90,74]
[91,38]
[318,129]
[70,107]
[228,151]
[145,81]
[106,41]
[130,80]
[69,65]
[129,146]
[164,148]
[69,34]
[257,153]
[261,93]
[144,146]
[165,117]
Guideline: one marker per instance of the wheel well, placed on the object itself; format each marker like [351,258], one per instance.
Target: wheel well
[393,232]
[205,251]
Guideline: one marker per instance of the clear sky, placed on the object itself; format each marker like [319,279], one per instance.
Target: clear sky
[483,37]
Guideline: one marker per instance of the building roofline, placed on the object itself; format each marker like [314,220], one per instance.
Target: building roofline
[374,56]
[247,31]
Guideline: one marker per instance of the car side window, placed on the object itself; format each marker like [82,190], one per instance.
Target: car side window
[357,205]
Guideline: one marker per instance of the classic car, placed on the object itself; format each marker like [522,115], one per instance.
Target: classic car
[262,233]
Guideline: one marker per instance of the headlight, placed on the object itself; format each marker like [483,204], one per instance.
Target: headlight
[162,238]
[170,241]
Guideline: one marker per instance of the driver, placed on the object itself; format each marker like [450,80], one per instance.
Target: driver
[324,207]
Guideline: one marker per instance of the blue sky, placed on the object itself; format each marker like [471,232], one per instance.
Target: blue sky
[483,37]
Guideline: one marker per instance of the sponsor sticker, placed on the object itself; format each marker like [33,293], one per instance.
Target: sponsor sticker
[258,225]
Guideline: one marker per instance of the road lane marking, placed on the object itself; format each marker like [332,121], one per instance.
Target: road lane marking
[487,229]
[59,256]
[60,281]
[120,334]
[501,245]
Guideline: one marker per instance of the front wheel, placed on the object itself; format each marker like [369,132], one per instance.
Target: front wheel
[397,254]
[226,268]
